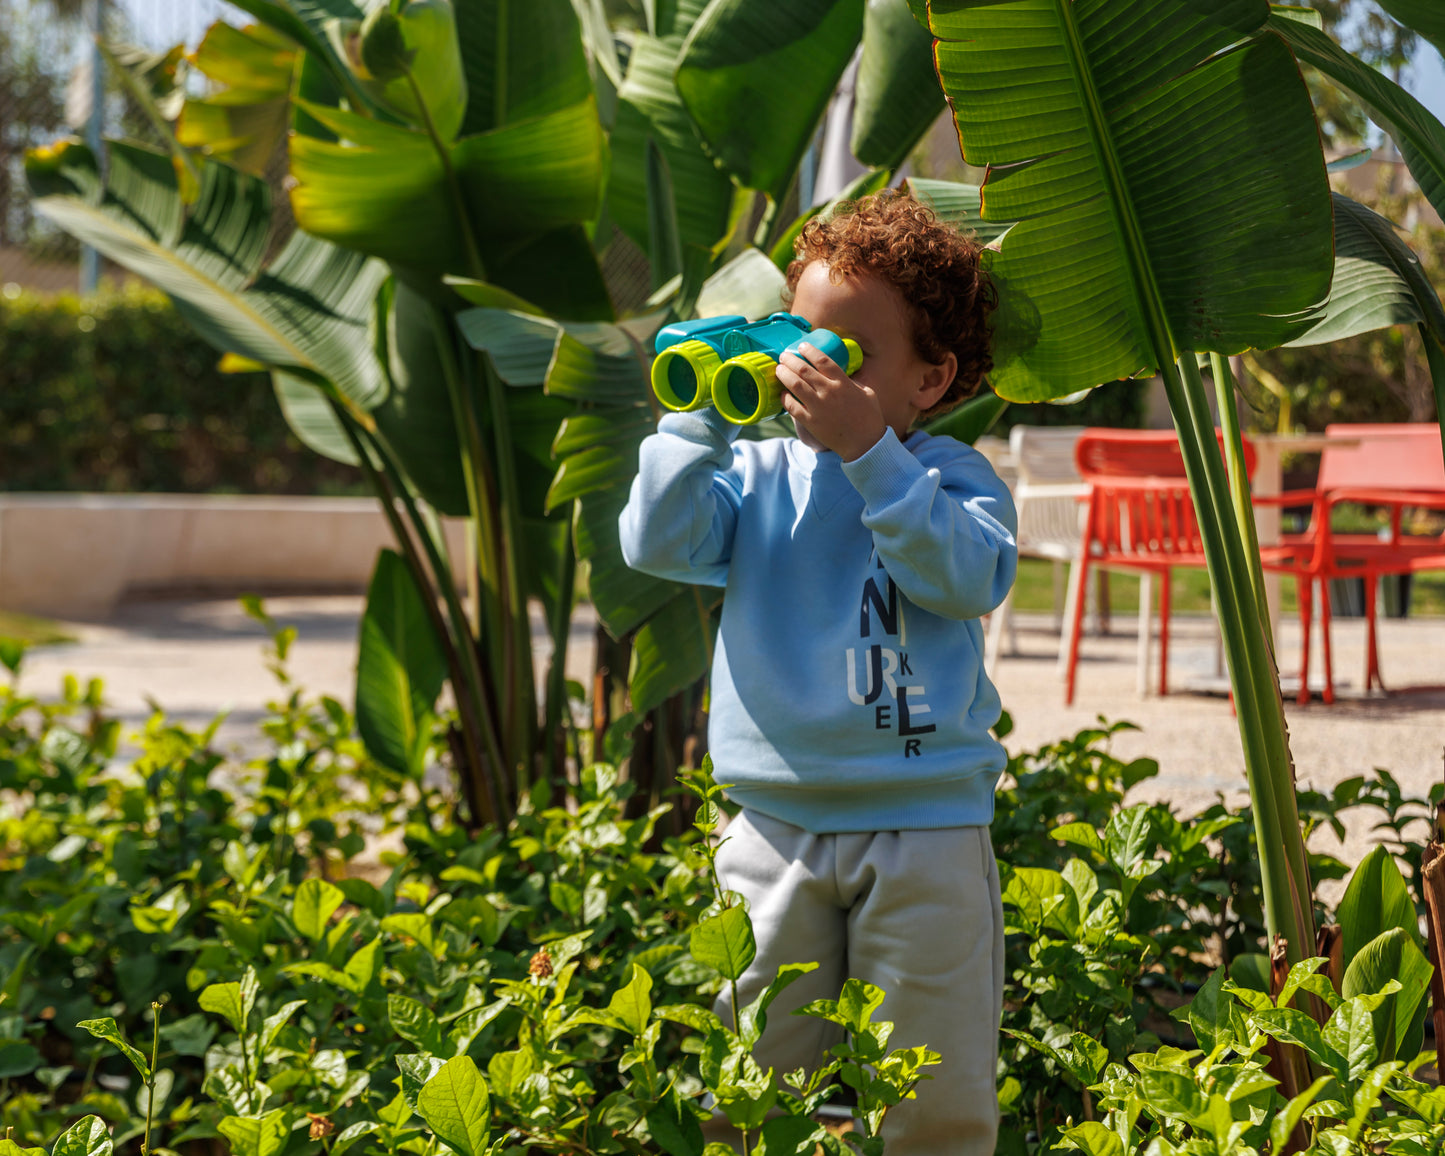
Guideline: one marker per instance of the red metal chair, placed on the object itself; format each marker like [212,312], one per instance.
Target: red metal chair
[1391,465]
[1140,519]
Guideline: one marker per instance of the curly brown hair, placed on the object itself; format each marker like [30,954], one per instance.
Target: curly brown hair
[933,266]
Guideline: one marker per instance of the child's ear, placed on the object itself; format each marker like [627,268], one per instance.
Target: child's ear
[935,383]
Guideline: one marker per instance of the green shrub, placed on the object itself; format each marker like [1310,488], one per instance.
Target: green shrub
[116,392]
[277,994]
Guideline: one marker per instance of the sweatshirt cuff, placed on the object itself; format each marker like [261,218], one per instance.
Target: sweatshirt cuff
[885,473]
[700,425]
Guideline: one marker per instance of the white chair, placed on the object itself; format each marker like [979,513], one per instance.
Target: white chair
[1046,496]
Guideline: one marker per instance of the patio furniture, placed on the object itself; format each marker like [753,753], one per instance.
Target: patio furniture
[1047,493]
[1140,519]
[1394,466]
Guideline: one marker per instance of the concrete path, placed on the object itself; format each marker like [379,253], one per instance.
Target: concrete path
[200,656]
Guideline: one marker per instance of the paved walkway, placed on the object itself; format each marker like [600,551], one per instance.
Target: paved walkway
[197,657]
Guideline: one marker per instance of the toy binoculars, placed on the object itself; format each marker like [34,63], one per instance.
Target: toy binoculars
[732,363]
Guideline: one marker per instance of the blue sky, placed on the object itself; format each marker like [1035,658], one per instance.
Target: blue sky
[1428,79]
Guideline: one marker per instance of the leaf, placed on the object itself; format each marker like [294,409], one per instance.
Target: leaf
[791,1136]
[454,1105]
[417,418]
[415,925]
[308,311]
[400,668]
[18,1059]
[1295,1027]
[1042,898]
[1126,838]
[523,58]
[1351,1033]
[1375,901]
[364,965]
[724,942]
[1378,280]
[382,189]
[673,649]
[650,111]
[1079,835]
[749,285]
[88,1136]
[274,1022]
[1093,123]
[756,77]
[244,119]
[700,1018]
[1094,1139]
[857,1003]
[256,1137]
[897,97]
[1390,956]
[674,1125]
[632,1004]
[316,901]
[106,1029]
[161,917]
[231,1001]
[1284,1123]
[415,1022]
[753,1019]
[1175,1095]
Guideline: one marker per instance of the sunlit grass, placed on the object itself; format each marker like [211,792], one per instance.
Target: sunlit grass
[35,631]
[1191,591]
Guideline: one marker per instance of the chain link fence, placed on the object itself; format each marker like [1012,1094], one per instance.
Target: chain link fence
[47,91]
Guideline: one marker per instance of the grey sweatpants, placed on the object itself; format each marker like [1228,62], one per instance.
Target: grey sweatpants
[916,913]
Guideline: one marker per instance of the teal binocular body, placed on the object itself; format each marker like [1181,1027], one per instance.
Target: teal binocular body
[731,363]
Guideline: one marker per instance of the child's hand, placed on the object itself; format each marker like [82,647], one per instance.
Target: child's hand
[840,414]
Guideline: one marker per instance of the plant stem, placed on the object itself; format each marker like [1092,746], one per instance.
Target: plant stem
[465,676]
[1239,490]
[459,204]
[520,688]
[151,1083]
[481,707]
[555,712]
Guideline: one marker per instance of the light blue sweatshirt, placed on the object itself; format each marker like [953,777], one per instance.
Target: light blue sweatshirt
[848,691]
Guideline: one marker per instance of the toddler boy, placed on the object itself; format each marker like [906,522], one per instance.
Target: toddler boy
[850,711]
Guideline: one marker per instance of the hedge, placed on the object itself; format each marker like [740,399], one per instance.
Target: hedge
[115,392]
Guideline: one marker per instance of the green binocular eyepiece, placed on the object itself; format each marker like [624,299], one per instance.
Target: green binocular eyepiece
[732,364]
[682,375]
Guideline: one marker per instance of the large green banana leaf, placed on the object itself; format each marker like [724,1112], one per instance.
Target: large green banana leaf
[383,190]
[1163,146]
[1427,17]
[523,59]
[1378,281]
[756,76]
[305,22]
[308,312]
[959,205]
[1418,133]
[897,97]
[244,121]
[649,108]
[400,668]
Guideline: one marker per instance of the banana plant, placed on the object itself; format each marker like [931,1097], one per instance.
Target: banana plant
[447,163]
[1162,169]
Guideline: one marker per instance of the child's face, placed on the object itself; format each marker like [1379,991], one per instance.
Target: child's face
[873,313]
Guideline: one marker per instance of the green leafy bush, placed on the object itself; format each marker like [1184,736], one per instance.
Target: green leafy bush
[194,951]
[116,392]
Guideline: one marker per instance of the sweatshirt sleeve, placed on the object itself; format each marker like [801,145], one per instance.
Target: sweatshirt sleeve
[944,529]
[680,516]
